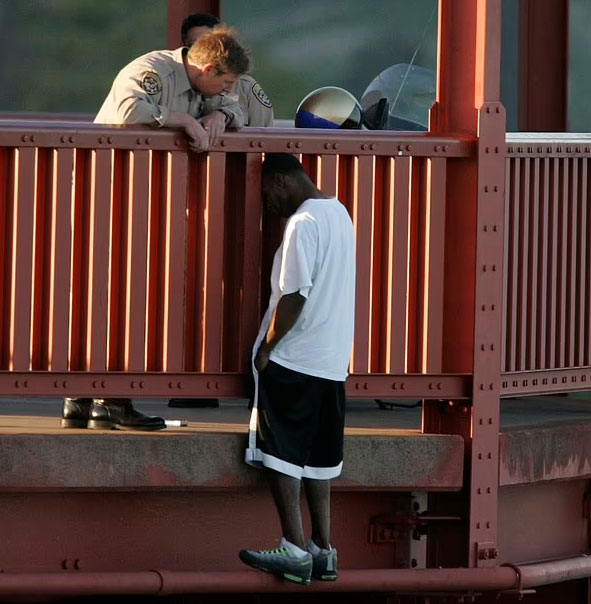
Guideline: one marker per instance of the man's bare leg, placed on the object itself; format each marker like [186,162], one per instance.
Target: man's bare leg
[286,494]
[318,496]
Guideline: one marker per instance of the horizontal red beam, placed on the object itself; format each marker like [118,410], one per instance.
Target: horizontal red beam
[525,383]
[162,582]
[29,133]
[220,385]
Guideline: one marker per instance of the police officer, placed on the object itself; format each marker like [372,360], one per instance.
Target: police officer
[256,105]
[189,88]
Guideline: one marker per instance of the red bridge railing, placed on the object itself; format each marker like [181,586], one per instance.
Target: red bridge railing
[134,267]
[547,313]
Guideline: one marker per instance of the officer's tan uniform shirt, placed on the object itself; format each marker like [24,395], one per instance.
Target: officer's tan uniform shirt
[256,105]
[152,86]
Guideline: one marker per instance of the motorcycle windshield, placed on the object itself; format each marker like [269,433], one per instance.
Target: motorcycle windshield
[399,98]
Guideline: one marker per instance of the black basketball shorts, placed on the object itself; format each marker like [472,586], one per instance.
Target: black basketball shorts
[297,424]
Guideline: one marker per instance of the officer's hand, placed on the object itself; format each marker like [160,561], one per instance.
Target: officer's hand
[214,124]
[199,139]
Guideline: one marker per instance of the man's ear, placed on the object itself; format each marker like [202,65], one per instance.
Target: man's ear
[208,68]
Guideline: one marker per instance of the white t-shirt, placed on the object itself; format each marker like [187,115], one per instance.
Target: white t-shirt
[316,258]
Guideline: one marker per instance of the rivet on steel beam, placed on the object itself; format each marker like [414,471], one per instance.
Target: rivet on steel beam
[71,139]
[498,109]
[486,150]
[139,141]
[484,268]
[33,138]
[223,143]
[141,384]
[25,139]
[445,147]
[177,142]
[372,147]
[519,149]
[496,189]
[509,149]
[569,149]
[481,386]
[558,149]
[535,382]
[548,149]
[479,491]
[148,141]
[488,109]
[437,148]
[544,381]
[489,455]
[530,149]
[77,564]
[364,147]
[479,455]
[478,525]
[261,144]
[492,307]
[495,228]
[400,147]
[492,553]
[488,490]
[490,420]
[540,150]
[409,148]
[480,421]
[578,149]
[335,146]
[63,139]
[110,141]
[327,145]
[298,145]
[486,188]
[101,139]
[289,145]
[587,149]
[253,144]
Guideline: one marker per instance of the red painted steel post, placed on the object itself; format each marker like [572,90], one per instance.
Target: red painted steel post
[468,102]
[179,9]
[543,65]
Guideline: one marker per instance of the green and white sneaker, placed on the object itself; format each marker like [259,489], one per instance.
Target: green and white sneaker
[282,561]
[324,562]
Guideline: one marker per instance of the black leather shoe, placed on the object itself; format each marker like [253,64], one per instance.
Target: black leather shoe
[75,412]
[119,414]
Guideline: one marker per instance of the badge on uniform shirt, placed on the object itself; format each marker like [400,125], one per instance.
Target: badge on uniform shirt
[261,97]
[151,82]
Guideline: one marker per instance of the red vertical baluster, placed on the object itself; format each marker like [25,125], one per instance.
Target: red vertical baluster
[136,262]
[213,291]
[363,198]
[99,214]
[433,305]
[22,259]
[174,262]
[398,259]
[61,260]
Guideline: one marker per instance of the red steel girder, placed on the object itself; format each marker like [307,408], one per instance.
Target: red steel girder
[545,381]
[468,102]
[222,385]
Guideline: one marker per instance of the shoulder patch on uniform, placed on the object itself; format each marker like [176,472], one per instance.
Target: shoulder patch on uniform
[260,96]
[151,82]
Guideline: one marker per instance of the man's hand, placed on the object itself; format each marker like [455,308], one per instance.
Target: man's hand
[214,124]
[198,136]
[262,358]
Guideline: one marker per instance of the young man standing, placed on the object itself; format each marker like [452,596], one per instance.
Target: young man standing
[301,358]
